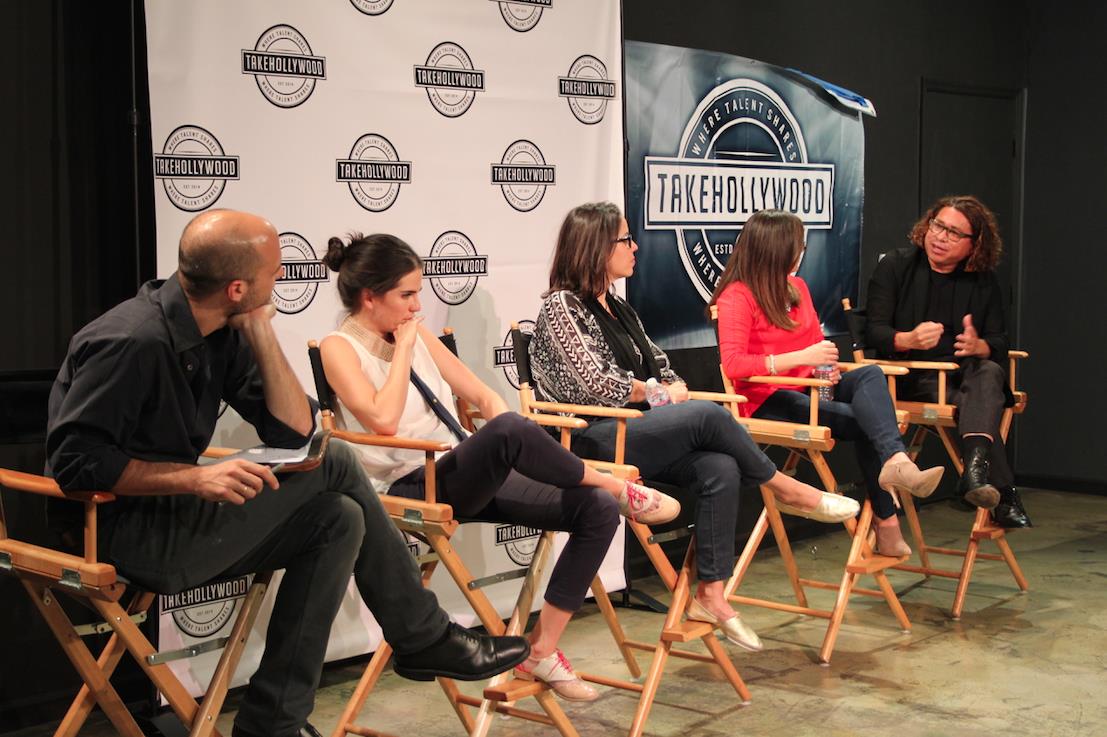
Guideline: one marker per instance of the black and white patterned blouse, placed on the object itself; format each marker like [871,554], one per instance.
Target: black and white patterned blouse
[570,360]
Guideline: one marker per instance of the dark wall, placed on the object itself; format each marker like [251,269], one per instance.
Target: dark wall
[884,50]
[1065,261]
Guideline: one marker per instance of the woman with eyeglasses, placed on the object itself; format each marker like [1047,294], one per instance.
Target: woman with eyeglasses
[589,347]
[768,325]
[939,300]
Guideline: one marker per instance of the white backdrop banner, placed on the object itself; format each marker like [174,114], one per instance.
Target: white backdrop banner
[466,127]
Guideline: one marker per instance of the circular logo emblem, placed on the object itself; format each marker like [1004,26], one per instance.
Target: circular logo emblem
[523,15]
[523,175]
[374,172]
[372,7]
[193,168]
[454,267]
[741,120]
[587,89]
[519,542]
[503,356]
[303,273]
[450,79]
[283,66]
[205,620]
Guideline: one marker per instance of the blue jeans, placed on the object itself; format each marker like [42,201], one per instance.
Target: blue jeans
[862,411]
[697,445]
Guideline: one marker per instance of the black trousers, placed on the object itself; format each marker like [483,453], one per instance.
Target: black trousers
[320,527]
[513,471]
[977,390]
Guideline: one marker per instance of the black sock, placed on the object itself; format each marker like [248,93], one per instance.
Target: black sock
[970,443]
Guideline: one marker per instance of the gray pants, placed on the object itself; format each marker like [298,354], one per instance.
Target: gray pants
[320,527]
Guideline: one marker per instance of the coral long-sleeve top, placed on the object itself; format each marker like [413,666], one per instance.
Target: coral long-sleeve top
[746,338]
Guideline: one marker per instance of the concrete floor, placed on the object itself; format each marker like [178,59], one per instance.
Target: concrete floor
[1016,664]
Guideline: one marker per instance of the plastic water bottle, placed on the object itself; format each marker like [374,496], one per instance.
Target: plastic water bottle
[825,371]
[656,393]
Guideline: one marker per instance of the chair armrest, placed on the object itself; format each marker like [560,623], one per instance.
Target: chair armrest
[390,441]
[618,470]
[886,368]
[787,381]
[590,410]
[716,396]
[916,365]
[1018,354]
[434,512]
[45,486]
[213,452]
[573,423]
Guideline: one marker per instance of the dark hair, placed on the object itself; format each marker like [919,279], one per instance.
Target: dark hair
[584,246]
[767,248]
[987,245]
[375,262]
[210,258]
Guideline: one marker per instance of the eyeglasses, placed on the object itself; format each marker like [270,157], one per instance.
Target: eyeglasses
[626,240]
[937,227]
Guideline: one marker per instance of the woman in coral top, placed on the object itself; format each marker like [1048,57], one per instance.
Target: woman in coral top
[768,325]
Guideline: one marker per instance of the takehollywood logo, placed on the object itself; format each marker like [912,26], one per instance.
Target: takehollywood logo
[203,611]
[454,267]
[193,168]
[284,66]
[519,542]
[372,7]
[587,89]
[742,151]
[303,273]
[523,175]
[374,172]
[522,15]
[503,355]
[450,80]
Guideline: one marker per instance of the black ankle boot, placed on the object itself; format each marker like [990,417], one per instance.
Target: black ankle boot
[1009,513]
[975,487]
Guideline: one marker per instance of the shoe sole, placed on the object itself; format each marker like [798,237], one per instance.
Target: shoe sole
[421,674]
[984,497]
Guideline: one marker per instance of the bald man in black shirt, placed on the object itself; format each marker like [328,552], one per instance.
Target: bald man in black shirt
[134,405]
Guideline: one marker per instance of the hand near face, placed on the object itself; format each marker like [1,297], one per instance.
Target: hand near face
[406,332]
[258,316]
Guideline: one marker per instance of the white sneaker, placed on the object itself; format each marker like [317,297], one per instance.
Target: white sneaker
[554,670]
[646,505]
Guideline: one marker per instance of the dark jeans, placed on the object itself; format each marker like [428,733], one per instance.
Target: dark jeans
[693,444]
[977,390]
[319,527]
[513,471]
[862,411]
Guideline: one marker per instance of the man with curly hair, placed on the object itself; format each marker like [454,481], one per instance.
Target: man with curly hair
[939,300]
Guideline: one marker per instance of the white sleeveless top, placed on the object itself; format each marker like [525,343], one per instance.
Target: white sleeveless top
[386,465]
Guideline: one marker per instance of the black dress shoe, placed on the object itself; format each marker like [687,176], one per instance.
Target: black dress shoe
[305,731]
[1009,513]
[975,487]
[464,655]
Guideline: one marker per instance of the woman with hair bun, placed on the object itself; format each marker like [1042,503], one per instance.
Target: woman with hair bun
[387,370]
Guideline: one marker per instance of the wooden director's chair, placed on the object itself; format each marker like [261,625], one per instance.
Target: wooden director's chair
[434,523]
[679,584]
[808,442]
[940,418]
[44,572]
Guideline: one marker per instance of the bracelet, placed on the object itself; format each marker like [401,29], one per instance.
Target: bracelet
[772,364]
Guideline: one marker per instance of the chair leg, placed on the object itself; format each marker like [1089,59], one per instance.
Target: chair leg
[753,542]
[99,686]
[608,612]
[966,573]
[364,687]
[109,658]
[1009,557]
[784,545]
[216,694]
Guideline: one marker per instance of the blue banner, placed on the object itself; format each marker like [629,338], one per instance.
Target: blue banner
[714,138]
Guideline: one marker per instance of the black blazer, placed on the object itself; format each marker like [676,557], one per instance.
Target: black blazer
[897,298]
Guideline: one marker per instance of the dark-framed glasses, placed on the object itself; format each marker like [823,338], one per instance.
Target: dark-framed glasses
[626,240]
[937,227]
